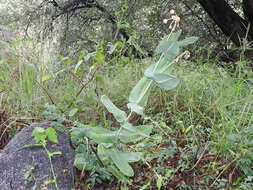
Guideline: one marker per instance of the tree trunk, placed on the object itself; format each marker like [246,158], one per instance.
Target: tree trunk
[248,12]
[231,24]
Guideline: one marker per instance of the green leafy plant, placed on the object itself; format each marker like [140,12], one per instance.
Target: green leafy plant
[113,147]
[41,137]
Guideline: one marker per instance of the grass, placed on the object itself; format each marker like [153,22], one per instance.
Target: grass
[206,124]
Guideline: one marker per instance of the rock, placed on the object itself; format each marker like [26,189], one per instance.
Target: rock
[29,168]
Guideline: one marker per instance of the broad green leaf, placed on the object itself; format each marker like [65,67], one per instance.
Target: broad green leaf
[169,48]
[136,108]
[101,151]
[51,135]
[80,161]
[38,130]
[99,134]
[175,35]
[73,112]
[164,65]
[165,45]
[174,50]
[140,93]
[119,175]
[121,162]
[119,115]
[168,42]
[79,133]
[153,67]
[188,41]
[164,81]
[40,138]
[132,156]
[84,160]
[133,129]
[39,134]
[108,145]
[127,136]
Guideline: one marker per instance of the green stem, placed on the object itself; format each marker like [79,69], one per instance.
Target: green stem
[51,166]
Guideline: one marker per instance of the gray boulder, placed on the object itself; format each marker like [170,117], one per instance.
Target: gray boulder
[29,168]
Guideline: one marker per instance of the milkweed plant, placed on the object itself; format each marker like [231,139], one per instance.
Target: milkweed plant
[112,147]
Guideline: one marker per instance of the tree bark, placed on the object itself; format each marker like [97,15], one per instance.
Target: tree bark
[231,24]
[248,13]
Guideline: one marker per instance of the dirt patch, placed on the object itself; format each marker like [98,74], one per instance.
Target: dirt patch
[202,171]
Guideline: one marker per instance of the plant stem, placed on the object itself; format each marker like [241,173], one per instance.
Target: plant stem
[51,166]
[99,160]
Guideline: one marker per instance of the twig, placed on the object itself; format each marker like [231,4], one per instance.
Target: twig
[47,93]
[223,171]
[202,154]
[89,79]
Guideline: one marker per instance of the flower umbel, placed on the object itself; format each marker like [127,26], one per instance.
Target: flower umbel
[175,20]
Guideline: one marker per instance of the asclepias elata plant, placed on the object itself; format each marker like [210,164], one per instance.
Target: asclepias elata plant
[113,147]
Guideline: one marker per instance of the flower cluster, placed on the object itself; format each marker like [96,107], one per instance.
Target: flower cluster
[174,18]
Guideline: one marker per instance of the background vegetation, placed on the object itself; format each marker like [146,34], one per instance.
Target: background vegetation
[58,58]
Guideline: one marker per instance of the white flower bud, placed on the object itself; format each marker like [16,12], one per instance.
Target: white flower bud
[172,12]
[165,21]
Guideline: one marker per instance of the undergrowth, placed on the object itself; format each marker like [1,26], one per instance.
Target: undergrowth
[204,139]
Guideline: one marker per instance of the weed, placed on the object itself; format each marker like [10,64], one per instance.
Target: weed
[41,137]
[113,145]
